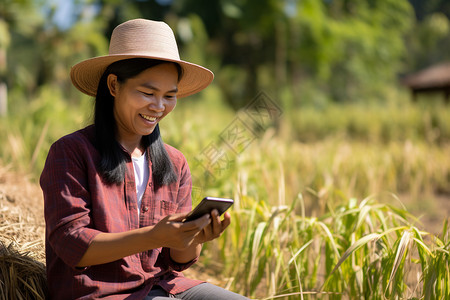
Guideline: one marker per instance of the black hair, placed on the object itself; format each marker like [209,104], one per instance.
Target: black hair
[112,164]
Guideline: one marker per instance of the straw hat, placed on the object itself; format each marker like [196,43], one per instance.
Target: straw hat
[140,38]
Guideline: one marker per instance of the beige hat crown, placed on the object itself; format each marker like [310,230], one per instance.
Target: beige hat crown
[140,38]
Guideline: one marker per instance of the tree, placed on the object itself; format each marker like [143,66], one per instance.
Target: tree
[351,47]
[429,38]
[11,14]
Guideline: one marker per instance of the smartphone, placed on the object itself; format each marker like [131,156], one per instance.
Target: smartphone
[207,205]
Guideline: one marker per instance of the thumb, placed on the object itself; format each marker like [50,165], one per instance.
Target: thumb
[177,217]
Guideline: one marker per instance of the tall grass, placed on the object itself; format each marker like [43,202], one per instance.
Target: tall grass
[359,249]
[33,125]
[374,123]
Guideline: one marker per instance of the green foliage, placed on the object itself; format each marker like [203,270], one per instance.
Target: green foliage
[31,128]
[429,35]
[348,50]
[353,50]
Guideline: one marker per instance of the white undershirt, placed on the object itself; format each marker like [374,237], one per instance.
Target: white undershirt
[140,177]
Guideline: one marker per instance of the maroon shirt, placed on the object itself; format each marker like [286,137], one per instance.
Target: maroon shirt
[78,206]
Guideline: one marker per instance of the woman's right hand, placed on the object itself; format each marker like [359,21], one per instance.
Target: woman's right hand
[172,233]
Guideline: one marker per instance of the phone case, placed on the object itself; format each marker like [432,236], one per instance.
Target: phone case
[207,205]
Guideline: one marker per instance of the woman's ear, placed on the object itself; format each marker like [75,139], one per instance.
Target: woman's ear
[112,83]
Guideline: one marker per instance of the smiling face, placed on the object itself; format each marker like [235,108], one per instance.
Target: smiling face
[142,101]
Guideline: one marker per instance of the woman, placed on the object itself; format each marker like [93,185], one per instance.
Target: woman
[114,193]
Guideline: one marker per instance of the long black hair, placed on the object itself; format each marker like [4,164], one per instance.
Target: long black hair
[112,164]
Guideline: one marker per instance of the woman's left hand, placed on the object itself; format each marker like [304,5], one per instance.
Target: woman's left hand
[210,232]
[214,229]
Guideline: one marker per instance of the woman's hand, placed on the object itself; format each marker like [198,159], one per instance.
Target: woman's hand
[172,233]
[214,229]
[185,239]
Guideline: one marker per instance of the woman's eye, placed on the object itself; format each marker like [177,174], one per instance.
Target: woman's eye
[147,94]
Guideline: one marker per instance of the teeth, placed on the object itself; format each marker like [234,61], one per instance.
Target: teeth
[152,119]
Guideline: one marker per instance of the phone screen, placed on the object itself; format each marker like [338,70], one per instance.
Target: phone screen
[207,205]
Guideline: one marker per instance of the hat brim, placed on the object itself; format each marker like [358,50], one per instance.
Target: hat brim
[86,75]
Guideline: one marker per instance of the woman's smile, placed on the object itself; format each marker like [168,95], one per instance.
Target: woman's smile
[148,118]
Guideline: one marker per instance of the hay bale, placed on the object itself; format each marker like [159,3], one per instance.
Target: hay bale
[21,276]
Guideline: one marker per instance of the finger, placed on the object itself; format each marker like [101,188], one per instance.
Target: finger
[197,224]
[216,224]
[203,221]
[177,217]
[222,225]
[208,231]
[226,221]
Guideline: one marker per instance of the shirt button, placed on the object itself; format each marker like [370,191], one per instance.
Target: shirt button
[145,209]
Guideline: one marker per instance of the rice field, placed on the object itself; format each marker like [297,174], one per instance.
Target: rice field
[335,203]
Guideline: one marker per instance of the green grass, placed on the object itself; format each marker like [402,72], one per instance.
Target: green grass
[359,249]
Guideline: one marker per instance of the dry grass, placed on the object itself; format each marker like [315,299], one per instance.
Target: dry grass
[22,269]
[21,214]
[22,277]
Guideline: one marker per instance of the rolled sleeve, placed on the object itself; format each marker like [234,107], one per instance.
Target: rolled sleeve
[67,204]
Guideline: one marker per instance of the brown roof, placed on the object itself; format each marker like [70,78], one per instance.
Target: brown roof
[435,76]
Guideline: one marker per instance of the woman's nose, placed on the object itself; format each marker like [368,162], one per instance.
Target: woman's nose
[157,104]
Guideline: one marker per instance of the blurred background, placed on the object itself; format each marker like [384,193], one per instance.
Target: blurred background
[358,90]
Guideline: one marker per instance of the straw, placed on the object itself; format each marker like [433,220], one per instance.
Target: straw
[21,277]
